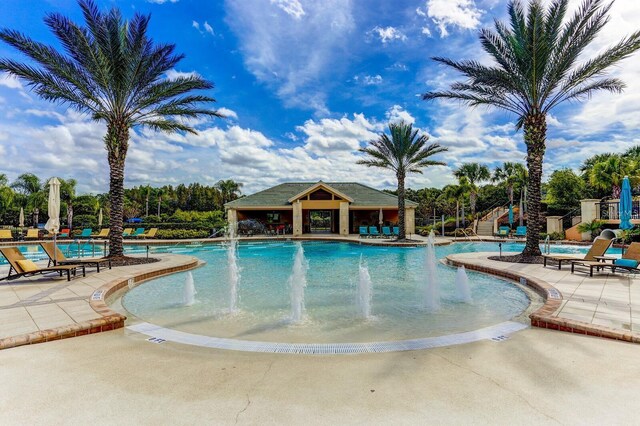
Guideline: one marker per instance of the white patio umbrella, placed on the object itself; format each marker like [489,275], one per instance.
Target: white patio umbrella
[381,218]
[53,224]
[21,218]
[100,218]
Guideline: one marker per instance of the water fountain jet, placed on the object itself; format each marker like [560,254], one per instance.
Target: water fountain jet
[462,286]
[431,285]
[297,284]
[233,271]
[365,287]
[189,290]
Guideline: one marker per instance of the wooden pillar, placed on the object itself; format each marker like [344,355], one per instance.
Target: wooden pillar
[344,218]
[297,218]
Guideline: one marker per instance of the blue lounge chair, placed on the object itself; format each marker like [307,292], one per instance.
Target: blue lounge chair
[137,232]
[521,231]
[386,231]
[363,231]
[504,231]
[373,231]
[86,233]
[396,230]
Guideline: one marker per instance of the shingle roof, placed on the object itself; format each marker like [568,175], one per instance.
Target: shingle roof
[279,195]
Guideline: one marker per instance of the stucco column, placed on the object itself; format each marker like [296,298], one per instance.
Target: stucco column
[589,212]
[344,218]
[410,220]
[554,224]
[232,218]
[297,218]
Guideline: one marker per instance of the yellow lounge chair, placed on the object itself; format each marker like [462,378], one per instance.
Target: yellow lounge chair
[60,259]
[32,234]
[5,234]
[127,232]
[24,267]
[598,248]
[151,233]
[632,253]
[104,233]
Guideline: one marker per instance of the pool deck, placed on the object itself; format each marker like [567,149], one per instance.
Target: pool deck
[605,305]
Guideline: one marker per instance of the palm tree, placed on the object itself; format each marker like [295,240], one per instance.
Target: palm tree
[32,193]
[457,193]
[404,152]
[510,174]
[112,71]
[539,64]
[607,175]
[475,173]
[67,195]
[229,190]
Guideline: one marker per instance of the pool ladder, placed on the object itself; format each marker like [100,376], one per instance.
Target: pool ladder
[547,245]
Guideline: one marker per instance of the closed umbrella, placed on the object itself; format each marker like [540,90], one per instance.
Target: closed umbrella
[21,218]
[625,204]
[521,212]
[100,218]
[53,224]
[381,219]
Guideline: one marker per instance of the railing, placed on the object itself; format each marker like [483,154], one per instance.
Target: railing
[496,209]
[571,219]
[610,210]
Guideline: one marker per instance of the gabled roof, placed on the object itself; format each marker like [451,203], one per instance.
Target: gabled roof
[324,186]
[279,195]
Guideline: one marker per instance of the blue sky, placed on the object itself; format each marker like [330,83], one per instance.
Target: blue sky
[305,84]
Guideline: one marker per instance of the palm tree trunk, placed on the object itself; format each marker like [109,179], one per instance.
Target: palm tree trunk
[457,214]
[401,224]
[535,131]
[117,141]
[70,215]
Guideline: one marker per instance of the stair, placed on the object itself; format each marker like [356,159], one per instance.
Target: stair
[485,228]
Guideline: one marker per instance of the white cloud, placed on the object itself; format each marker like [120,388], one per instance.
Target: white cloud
[396,114]
[290,7]
[228,113]
[172,74]
[326,136]
[195,25]
[372,80]
[451,13]
[387,34]
[7,80]
[163,1]
[208,28]
[300,77]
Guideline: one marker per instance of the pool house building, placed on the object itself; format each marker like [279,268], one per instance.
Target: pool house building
[320,207]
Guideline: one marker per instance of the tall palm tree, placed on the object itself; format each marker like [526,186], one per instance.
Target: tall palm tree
[229,190]
[32,193]
[539,64]
[457,193]
[475,173]
[68,195]
[111,70]
[512,175]
[406,151]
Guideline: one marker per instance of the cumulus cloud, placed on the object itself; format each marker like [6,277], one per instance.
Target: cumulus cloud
[372,80]
[327,136]
[451,13]
[7,80]
[229,113]
[206,28]
[172,74]
[163,1]
[396,114]
[387,34]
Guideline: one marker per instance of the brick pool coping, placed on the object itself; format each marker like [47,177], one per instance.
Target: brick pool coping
[543,317]
[109,319]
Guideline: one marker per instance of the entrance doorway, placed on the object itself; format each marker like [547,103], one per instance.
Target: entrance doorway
[320,221]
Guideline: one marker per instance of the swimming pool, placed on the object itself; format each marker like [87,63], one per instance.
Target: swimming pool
[331,306]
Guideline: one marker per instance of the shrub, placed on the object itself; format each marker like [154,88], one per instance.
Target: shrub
[170,234]
[85,221]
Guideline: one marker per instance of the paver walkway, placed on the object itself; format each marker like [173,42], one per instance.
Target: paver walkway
[46,302]
[606,299]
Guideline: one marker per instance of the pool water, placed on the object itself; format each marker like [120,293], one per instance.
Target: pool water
[332,314]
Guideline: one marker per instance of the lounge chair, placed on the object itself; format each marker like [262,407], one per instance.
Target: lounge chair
[598,248]
[64,233]
[386,231]
[5,234]
[503,231]
[151,233]
[127,232]
[24,267]
[137,232]
[104,233]
[86,233]
[364,232]
[56,257]
[32,234]
[521,231]
[396,230]
[629,261]
[373,231]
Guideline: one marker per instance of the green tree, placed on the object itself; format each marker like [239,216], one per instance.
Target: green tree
[539,63]
[565,189]
[229,189]
[67,196]
[457,194]
[512,175]
[113,72]
[32,194]
[406,151]
[606,175]
[475,173]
